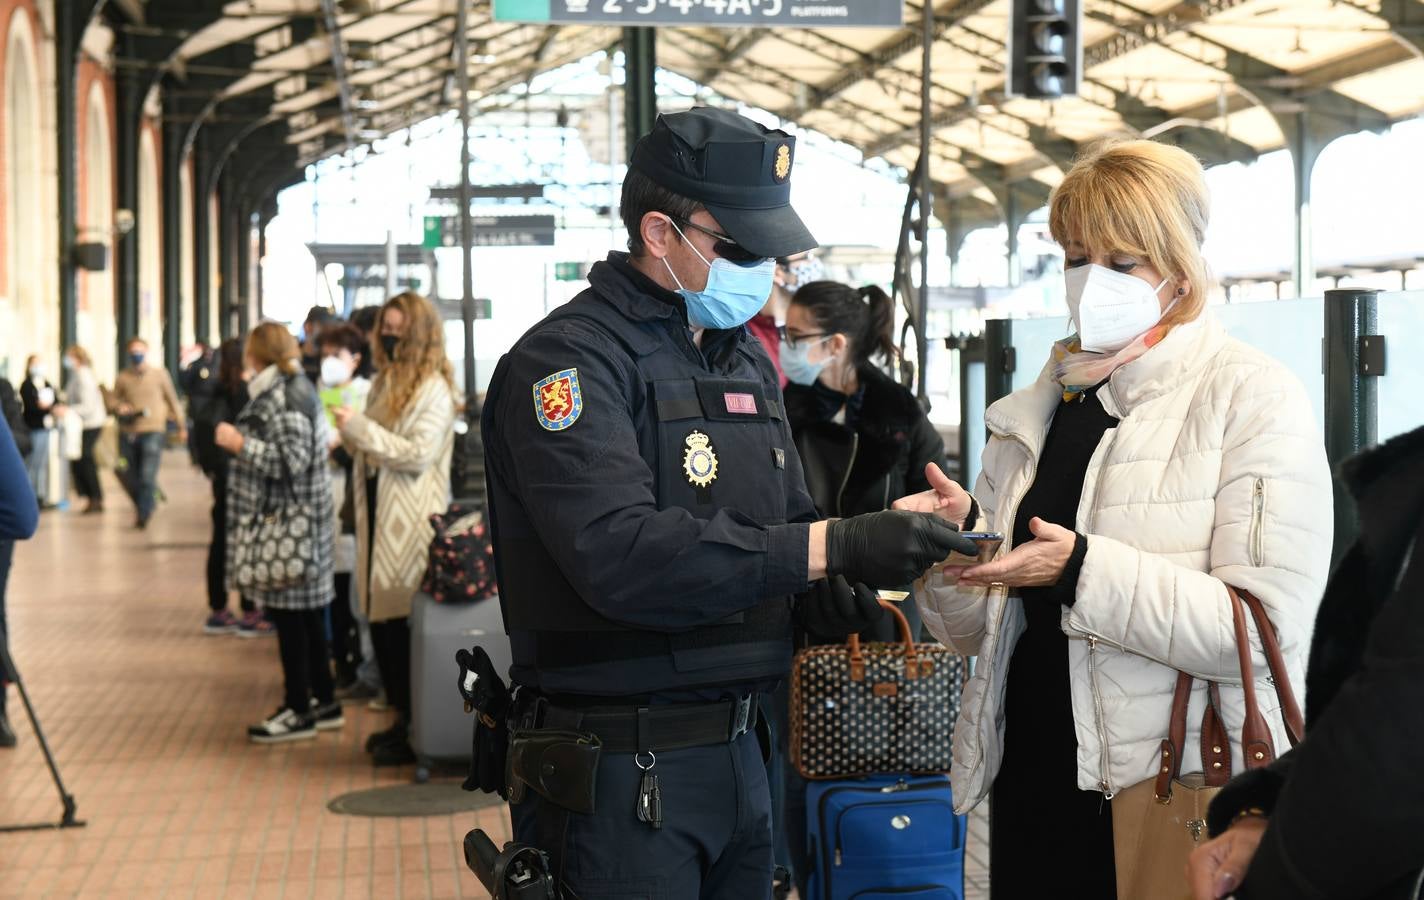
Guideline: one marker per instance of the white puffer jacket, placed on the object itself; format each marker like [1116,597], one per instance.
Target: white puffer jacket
[1215,473]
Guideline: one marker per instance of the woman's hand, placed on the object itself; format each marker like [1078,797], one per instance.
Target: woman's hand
[1216,868]
[1039,563]
[228,438]
[342,414]
[945,498]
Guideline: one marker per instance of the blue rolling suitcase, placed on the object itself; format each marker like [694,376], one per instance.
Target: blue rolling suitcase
[884,837]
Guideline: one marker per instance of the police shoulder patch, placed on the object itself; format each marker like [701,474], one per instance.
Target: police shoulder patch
[558,400]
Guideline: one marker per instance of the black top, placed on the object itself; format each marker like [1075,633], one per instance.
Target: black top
[1041,821]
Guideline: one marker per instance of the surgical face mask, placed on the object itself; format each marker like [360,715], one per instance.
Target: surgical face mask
[136,358]
[334,371]
[733,294]
[388,344]
[1111,309]
[37,371]
[796,362]
[70,364]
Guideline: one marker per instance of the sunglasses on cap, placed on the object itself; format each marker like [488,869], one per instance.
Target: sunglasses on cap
[722,245]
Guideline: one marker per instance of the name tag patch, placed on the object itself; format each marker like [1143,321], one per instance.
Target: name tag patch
[741,404]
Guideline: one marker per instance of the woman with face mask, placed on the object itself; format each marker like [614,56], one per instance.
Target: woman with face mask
[83,395]
[400,475]
[1154,462]
[39,398]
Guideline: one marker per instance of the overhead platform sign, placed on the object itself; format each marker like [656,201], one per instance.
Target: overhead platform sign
[728,13]
[491,231]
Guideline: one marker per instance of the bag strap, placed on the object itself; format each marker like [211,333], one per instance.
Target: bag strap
[1290,709]
[912,659]
[1257,747]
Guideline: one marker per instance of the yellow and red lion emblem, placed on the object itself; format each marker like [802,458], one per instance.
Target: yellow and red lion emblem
[558,400]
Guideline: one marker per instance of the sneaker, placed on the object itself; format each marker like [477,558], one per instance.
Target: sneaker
[328,716]
[397,733]
[396,753]
[253,625]
[7,734]
[378,703]
[356,691]
[220,622]
[283,725]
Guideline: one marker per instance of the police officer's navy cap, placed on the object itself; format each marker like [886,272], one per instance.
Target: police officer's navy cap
[738,170]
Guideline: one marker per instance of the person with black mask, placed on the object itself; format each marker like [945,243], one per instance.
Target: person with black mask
[317,318]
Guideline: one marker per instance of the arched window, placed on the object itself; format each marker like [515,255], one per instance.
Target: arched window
[98,316]
[27,322]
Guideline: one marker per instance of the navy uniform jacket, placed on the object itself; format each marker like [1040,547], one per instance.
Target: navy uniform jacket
[601,498]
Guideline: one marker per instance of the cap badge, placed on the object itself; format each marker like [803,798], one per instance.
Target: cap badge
[558,400]
[782,168]
[700,461]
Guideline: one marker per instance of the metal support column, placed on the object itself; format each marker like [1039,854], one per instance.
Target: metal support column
[1304,153]
[227,259]
[1013,218]
[972,403]
[130,91]
[70,21]
[203,326]
[1351,396]
[259,284]
[922,311]
[242,233]
[175,291]
[467,237]
[640,96]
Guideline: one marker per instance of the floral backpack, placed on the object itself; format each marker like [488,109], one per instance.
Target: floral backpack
[461,566]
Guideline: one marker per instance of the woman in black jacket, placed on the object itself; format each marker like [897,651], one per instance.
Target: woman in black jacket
[212,401]
[1341,815]
[863,438]
[864,442]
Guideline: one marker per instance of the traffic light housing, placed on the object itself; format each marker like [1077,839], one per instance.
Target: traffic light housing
[1045,48]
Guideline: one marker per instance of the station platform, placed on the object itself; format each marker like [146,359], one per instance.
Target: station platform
[147,716]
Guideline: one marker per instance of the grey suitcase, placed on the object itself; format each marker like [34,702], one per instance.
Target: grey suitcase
[440,730]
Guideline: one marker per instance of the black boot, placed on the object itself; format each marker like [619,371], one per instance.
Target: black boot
[7,735]
[398,733]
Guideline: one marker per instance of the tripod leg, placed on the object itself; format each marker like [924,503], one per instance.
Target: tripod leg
[7,668]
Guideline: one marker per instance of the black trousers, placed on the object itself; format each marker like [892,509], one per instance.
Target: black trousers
[301,641]
[83,470]
[345,638]
[391,641]
[217,550]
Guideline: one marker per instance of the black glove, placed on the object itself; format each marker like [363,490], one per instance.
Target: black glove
[834,609]
[891,547]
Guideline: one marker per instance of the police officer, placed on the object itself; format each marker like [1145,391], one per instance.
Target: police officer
[652,531]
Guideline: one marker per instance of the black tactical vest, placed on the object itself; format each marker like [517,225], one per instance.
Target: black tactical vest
[560,643]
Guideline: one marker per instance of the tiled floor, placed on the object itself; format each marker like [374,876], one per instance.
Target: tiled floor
[146,716]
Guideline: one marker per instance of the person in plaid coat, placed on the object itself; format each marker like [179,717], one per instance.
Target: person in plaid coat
[280,434]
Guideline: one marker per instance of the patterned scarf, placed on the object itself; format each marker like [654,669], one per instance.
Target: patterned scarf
[1077,370]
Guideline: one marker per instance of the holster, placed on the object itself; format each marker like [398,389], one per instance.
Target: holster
[560,766]
[488,759]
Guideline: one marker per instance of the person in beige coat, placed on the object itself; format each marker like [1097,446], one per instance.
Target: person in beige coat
[401,449]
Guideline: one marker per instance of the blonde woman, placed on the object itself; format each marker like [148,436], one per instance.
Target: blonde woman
[279,448]
[400,446]
[1153,462]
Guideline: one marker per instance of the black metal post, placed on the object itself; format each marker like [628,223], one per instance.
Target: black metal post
[227,258]
[242,231]
[1351,396]
[640,95]
[202,236]
[69,25]
[922,314]
[174,290]
[971,354]
[467,237]
[998,359]
[126,250]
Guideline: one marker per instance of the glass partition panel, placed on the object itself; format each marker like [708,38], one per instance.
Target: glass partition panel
[1289,330]
[1401,388]
[1033,341]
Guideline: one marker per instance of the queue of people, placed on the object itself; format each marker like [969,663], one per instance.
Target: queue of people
[702,463]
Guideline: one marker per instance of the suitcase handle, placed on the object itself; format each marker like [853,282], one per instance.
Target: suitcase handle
[912,659]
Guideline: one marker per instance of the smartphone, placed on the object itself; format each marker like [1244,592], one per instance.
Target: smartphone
[988,543]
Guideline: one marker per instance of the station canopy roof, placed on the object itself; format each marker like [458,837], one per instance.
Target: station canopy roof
[1226,79]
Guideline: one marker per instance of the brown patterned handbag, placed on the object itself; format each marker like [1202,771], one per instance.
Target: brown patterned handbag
[874,708]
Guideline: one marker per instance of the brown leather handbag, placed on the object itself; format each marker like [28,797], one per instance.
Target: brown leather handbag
[1157,823]
[864,709]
